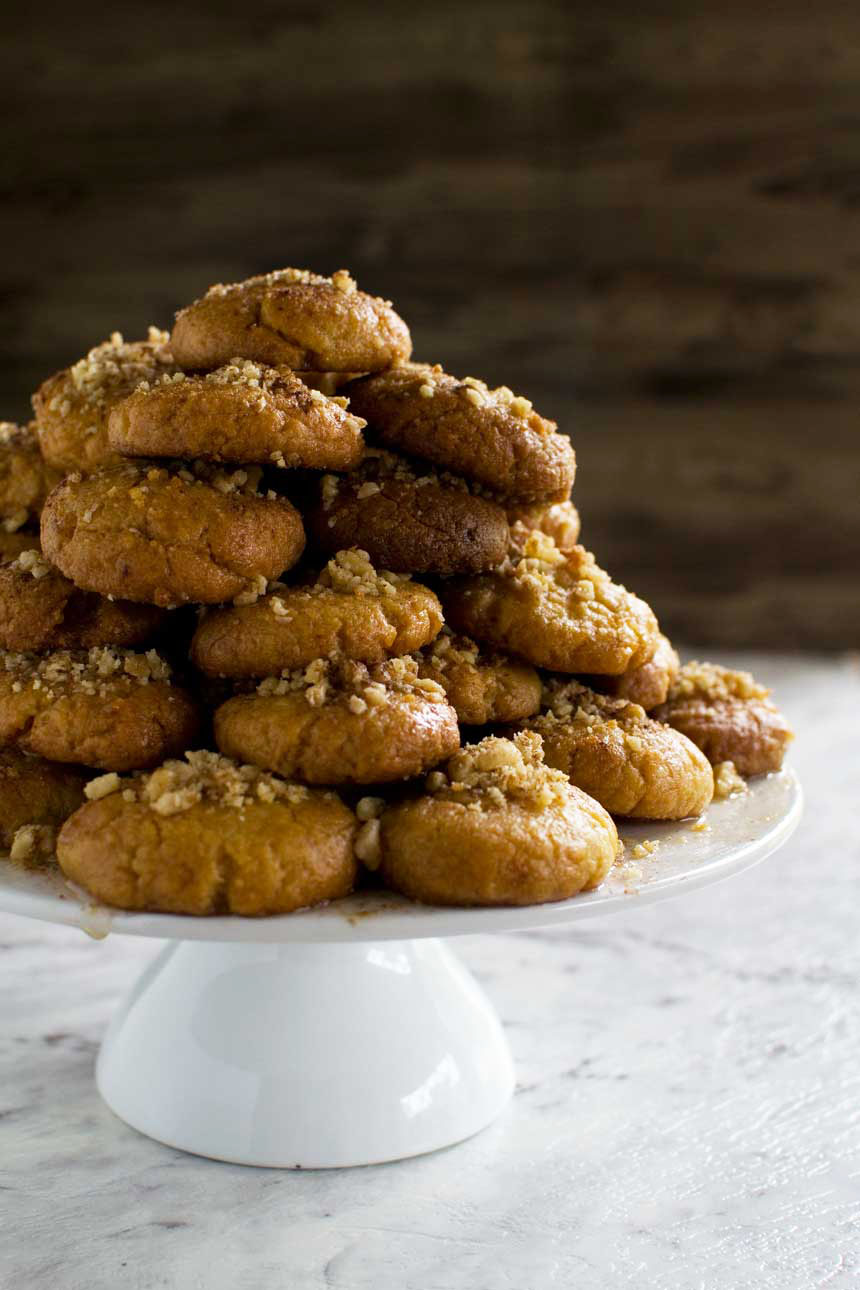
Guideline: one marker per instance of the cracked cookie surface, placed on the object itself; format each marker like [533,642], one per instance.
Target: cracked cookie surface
[482,685]
[351,610]
[40,609]
[729,716]
[291,318]
[112,709]
[207,836]
[495,827]
[557,610]
[170,535]
[242,412]
[407,518]
[341,723]
[613,751]
[493,437]
[73,406]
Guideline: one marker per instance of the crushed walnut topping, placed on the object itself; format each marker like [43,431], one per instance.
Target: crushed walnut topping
[352,573]
[14,435]
[569,701]
[207,778]
[354,684]
[252,593]
[727,781]
[712,682]
[378,466]
[451,650]
[496,771]
[97,671]
[471,390]
[115,368]
[341,280]
[33,563]
[33,845]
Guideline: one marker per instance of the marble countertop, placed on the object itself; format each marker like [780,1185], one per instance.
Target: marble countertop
[687,1113]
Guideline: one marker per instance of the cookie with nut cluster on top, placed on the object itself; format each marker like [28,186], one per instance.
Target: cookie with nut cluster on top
[350,610]
[407,517]
[73,406]
[25,480]
[559,520]
[492,437]
[292,318]
[340,722]
[495,827]
[35,797]
[170,534]
[482,685]
[728,715]
[611,749]
[40,609]
[109,708]
[242,412]
[208,836]
[647,684]
[556,609]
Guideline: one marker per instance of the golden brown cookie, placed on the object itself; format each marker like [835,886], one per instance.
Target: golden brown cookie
[612,750]
[649,683]
[557,610]
[107,708]
[25,478]
[496,827]
[72,407]
[207,836]
[408,519]
[241,412]
[482,685]
[41,610]
[169,535]
[34,795]
[559,520]
[491,436]
[729,716]
[350,610]
[14,544]
[341,723]
[291,318]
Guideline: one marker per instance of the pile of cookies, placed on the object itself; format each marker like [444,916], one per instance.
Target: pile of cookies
[283,613]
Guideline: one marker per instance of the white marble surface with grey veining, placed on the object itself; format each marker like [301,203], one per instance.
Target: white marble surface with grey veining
[686,1115]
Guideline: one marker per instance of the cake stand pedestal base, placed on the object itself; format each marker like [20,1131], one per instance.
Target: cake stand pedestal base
[306,1055]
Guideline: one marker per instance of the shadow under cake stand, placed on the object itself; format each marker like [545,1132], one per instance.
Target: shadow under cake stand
[350,1034]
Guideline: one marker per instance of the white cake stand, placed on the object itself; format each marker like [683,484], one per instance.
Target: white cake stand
[351,1034]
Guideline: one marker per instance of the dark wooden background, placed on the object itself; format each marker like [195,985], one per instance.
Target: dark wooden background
[644,215]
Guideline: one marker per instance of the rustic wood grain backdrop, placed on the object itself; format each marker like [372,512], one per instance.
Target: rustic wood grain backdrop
[644,215]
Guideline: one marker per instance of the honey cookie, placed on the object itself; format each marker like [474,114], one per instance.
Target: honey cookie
[556,609]
[242,412]
[559,520]
[169,535]
[481,685]
[350,610]
[341,723]
[292,318]
[41,610]
[408,520]
[73,406]
[496,827]
[25,478]
[35,797]
[649,683]
[613,751]
[206,836]
[491,436]
[729,716]
[108,708]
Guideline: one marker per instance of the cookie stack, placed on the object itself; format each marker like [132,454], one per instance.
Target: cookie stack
[349,589]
